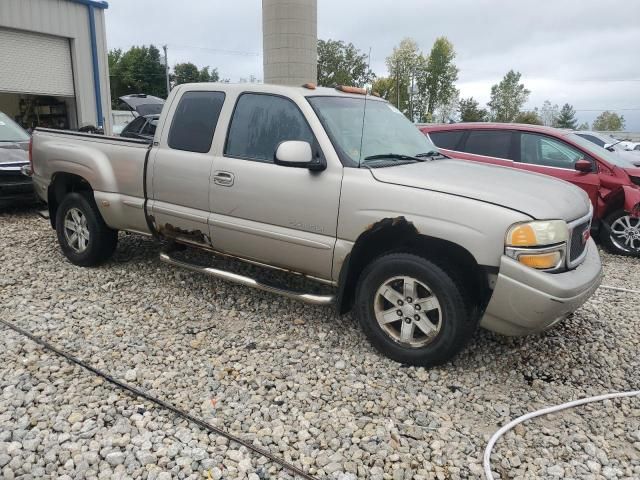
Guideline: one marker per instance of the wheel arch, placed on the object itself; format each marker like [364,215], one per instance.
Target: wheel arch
[63,183]
[399,235]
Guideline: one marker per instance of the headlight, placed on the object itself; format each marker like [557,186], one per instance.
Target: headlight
[539,244]
[537,234]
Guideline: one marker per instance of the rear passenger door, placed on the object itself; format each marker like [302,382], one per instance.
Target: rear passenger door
[181,167]
[489,146]
[282,216]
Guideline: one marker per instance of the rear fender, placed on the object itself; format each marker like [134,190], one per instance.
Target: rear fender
[631,200]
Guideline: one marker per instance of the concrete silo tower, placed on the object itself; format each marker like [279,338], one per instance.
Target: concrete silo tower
[290,37]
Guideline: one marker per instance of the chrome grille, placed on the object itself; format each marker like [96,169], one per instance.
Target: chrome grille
[577,243]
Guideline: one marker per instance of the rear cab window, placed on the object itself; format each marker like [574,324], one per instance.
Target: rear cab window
[260,123]
[449,139]
[194,121]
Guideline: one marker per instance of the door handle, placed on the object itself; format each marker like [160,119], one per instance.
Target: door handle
[224,179]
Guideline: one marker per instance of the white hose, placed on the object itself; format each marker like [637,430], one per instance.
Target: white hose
[487,452]
[619,289]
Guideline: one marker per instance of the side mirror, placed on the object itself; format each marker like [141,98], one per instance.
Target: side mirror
[295,153]
[584,166]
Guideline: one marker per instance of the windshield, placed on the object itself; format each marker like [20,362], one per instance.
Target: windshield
[598,151]
[10,131]
[386,130]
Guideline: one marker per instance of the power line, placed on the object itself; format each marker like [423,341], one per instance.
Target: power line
[217,50]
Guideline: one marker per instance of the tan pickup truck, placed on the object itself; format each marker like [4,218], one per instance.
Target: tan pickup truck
[340,187]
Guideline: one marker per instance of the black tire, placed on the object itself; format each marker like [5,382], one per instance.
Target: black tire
[102,240]
[456,325]
[613,243]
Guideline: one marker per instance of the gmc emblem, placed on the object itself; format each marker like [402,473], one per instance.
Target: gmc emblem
[585,236]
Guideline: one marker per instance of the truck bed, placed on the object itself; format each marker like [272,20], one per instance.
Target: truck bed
[113,166]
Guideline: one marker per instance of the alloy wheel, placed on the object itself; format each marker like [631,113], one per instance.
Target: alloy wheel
[76,231]
[408,311]
[625,234]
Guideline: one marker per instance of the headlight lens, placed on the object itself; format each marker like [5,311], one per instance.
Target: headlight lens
[539,244]
[538,233]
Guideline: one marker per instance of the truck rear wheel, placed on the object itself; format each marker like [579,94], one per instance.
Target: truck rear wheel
[621,235]
[412,311]
[82,234]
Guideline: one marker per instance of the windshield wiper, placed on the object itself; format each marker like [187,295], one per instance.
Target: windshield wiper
[394,156]
[431,154]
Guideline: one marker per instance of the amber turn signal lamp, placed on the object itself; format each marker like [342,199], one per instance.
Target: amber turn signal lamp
[540,261]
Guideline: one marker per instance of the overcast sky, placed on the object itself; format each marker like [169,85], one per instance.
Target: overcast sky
[584,52]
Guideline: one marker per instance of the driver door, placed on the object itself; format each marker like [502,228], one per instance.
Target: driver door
[551,156]
[279,215]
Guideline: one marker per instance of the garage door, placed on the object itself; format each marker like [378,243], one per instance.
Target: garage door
[35,64]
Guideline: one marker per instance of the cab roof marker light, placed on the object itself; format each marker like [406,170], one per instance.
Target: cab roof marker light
[347,89]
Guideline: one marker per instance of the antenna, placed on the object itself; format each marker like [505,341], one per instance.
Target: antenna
[364,110]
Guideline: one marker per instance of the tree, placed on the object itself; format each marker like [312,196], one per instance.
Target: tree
[447,112]
[438,83]
[385,87]
[508,97]
[189,73]
[341,63]
[470,112]
[209,76]
[138,70]
[609,122]
[567,118]
[549,113]
[531,117]
[583,126]
[407,65]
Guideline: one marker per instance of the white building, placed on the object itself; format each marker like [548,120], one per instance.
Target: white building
[53,63]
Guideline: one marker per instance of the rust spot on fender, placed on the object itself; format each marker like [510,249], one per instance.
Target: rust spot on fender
[390,222]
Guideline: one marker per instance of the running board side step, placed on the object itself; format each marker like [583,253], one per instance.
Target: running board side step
[247,281]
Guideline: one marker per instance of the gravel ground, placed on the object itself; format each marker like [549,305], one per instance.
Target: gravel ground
[296,379]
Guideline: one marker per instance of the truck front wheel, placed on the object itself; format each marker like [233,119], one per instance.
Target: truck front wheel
[412,311]
[82,234]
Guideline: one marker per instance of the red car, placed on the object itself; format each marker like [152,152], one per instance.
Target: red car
[612,183]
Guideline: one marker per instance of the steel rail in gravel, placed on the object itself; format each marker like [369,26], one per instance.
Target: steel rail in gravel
[135,392]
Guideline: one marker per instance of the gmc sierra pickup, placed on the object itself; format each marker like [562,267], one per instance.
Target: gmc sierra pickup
[339,186]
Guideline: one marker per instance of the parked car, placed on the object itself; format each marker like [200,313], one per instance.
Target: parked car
[143,128]
[619,147]
[14,145]
[612,183]
[142,104]
[302,180]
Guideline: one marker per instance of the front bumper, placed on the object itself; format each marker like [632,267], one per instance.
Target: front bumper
[15,186]
[526,301]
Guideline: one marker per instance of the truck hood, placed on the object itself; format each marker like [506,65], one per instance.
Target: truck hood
[538,196]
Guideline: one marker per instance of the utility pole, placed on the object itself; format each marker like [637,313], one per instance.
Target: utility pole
[398,83]
[166,69]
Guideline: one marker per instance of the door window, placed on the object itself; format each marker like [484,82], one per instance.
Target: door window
[260,123]
[547,151]
[449,140]
[194,121]
[490,143]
